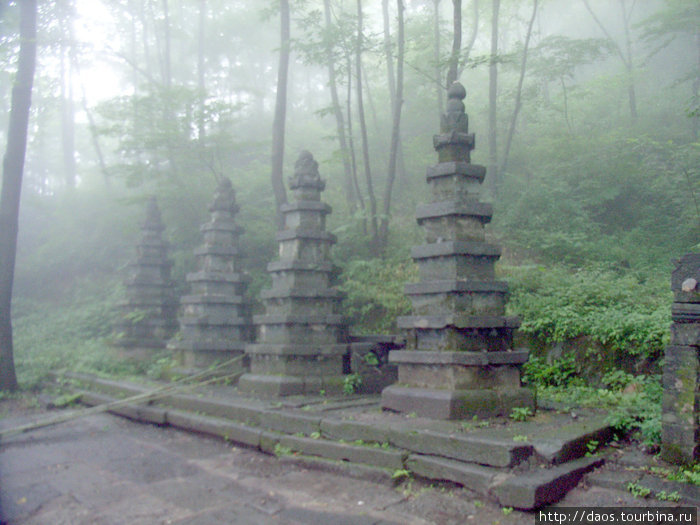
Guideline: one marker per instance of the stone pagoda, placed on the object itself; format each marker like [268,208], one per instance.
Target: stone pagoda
[680,420]
[149,312]
[301,337]
[459,361]
[215,322]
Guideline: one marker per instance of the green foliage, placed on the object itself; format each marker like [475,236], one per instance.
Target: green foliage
[623,313]
[71,335]
[560,372]
[521,413]
[374,293]
[637,490]
[664,496]
[351,384]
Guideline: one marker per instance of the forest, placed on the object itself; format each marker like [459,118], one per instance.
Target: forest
[586,115]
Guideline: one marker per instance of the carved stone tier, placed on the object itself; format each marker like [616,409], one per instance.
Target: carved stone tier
[302,339]
[459,359]
[148,312]
[680,420]
[215,322]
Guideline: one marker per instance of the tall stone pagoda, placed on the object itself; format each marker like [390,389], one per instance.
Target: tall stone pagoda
[301,337]
[459,361]
[680,419]
[149,311]
[215,322]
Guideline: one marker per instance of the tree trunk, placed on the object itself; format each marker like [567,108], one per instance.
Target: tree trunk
[201,88]
[67,106]
[436,57]
[167,72]
[519,90]
[493,92]
[13,168]
[625,56]
[278,126]
[456,42]
[374,230]
[395,132]
[472,38]
[338,111]
[351,146]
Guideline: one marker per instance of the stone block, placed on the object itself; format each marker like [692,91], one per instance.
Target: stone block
[533,490]
[289,423]
[480,450]
[473,477]
[455,404]
[354,430]
[685,334]
[378,457]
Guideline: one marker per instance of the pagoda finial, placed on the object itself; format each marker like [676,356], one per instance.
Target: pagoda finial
[153,219]
[224,197]
[455,119]
[306,173]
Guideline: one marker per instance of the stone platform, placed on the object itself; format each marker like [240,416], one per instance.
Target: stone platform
[524,465]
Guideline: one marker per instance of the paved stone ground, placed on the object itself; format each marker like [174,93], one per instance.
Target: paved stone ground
[107,470]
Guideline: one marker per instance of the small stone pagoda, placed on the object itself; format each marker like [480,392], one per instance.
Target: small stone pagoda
[459,361]
[148,314]
[301,337]
[215,322]
[680,420]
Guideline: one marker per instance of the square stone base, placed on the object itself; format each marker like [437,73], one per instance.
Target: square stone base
[282,386]
[456,404]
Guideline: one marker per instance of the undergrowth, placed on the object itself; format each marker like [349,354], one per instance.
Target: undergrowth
[632,401]
[72,335]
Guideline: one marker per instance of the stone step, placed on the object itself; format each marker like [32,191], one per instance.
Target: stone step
[283,432]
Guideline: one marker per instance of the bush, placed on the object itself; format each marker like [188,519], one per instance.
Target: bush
[374,293]
[621,312]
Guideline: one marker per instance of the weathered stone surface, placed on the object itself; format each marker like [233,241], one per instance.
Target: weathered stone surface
[378,457]
[459,358]
[541,488]
[472,449]
[302,338]
[149,309]
[680,418]
[353,430]
[215,323]
[228,430]
[474,477]
[455,404]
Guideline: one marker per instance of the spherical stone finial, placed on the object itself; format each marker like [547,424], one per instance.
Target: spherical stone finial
[224,197]
[457,91]
[306,172]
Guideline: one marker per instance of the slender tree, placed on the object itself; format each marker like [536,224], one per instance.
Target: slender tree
[66,62]
[278,125]
[456,42]
[201,87]
[395,130]
[519,90]
[374,228]
[13,169]
[626,54]
[493,92]
[436,56]
[337,109]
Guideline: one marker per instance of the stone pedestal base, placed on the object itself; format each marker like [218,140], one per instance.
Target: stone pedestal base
[278,370]
[202,354]
[458,385]
[455,404]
